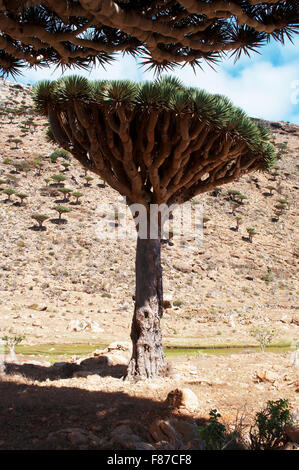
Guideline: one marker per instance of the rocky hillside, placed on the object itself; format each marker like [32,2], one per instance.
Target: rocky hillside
[69,283]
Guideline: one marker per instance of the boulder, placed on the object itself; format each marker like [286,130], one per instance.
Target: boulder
[182,398]
[94,363]
[162,430]
[291,446]
[187,430]
[167,301]
[267,376]
[292,431]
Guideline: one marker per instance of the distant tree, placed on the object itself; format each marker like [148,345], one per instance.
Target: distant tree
[21,196]
[9,192]
[16,141]
[61,210]
[58,178]
[40,219]
[88,180]
[271,189]
[77,195]
[251,232]
[38,164]
[263,335]
[66,192]
[239,220]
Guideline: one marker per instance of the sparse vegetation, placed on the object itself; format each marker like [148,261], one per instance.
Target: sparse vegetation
[263,335]
[268,431]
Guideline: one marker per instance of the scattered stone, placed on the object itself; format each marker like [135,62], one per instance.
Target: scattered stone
[120,346]
[267,376]
[95,327]
[183,267]
[117,359]
[77,325]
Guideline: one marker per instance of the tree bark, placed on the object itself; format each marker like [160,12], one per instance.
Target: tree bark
[147,359]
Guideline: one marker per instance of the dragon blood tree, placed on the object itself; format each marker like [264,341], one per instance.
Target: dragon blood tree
[155,143]
[162,34]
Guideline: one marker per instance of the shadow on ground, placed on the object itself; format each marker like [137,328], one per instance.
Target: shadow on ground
[66,370]
[44,417]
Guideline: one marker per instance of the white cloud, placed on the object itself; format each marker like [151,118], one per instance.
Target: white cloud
[261,89]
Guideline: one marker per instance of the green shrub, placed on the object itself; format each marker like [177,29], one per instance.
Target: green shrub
[213,433]
[59,153]
[271,189]
[263,335]
[268,429]
[177,303]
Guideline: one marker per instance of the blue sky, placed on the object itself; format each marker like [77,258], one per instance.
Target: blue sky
[265,85]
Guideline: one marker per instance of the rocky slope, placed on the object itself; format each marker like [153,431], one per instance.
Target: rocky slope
[217,291]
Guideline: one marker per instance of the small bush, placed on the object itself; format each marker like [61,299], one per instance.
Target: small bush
[58,153]
[177,303]
[263,335]
[213,433]
[268,429]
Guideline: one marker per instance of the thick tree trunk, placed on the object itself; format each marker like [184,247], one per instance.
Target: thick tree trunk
[147,359]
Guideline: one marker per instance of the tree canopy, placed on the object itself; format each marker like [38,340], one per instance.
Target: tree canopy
[154,142]
[162,34]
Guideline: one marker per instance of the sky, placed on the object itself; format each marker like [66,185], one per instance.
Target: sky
[266,85]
